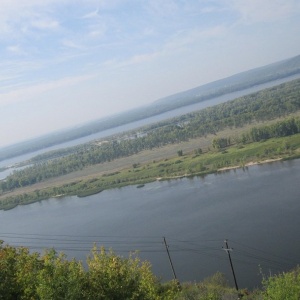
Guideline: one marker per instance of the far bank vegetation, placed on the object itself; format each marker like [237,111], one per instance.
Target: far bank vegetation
[263,138]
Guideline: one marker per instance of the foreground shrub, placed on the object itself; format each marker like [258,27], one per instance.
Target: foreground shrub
[32,276]
[283,286]
[213,288]
[113,277]
[25,275]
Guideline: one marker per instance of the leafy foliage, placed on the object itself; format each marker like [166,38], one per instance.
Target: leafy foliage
[219,143]
[286,127]
[233,83]
[190,165]
[51,277]
[215,287]
[283,286]
[27,276]
[265,105]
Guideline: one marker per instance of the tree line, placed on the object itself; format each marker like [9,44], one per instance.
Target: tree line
[194,164]
[287,127]
[279,129]
[258,107]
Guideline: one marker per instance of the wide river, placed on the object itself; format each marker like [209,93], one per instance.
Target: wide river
[257,209]
[134,125]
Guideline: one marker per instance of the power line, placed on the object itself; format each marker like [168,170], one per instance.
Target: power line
[281,258]
[227,249]
[81,236]
[244,254]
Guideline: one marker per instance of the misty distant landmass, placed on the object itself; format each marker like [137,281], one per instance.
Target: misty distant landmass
[233,83]
[238,82]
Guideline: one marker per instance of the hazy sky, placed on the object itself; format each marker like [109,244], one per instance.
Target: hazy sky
[65,62]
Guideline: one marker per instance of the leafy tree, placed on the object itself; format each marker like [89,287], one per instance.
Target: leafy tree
[60,278]
[27,267]
[113,277]
[179,152]
[8,285]
[283,286]
[220,143]
[261,106]
[198,151]
[27,276]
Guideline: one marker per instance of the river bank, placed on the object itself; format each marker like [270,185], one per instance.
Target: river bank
[251,206]
[166,169]
[251,163]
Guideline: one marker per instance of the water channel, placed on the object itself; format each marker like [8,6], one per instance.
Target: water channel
[256,209]
[151,120]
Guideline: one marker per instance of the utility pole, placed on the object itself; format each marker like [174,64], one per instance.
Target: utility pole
[227,249]
[170,260]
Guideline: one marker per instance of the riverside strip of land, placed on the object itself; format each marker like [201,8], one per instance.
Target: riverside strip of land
[259,127]
[153,165]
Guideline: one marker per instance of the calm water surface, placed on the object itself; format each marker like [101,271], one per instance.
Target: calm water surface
[256,209]
[130,126]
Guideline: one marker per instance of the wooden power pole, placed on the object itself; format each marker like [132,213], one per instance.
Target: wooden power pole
[170,260]
[227,249]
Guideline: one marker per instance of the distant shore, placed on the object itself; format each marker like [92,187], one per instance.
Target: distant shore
[189,165]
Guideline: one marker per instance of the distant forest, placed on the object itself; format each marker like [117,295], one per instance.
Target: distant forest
[279,101]
[231,84]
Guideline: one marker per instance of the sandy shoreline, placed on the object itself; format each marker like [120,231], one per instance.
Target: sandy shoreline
[251,163]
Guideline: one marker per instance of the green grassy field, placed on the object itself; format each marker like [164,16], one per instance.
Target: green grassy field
[139,173]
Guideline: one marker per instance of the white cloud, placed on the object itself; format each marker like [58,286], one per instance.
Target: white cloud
[149,31]
[19,18]
[97,30]
[264,10]
[92,15]
[71,44]
[141,58]
[16,68]
[181,41]
[96,33]
[45,24]
[30,91]
[185,38]
[15,10]
[15,49]
[146,48]
[163,8]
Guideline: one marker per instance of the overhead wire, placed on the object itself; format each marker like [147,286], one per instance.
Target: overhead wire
[244,254]
[287,260]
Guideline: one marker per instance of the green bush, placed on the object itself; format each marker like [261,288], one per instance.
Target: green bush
[27,276]
[113,277]
[32,276]
[213,288]
[283,286]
